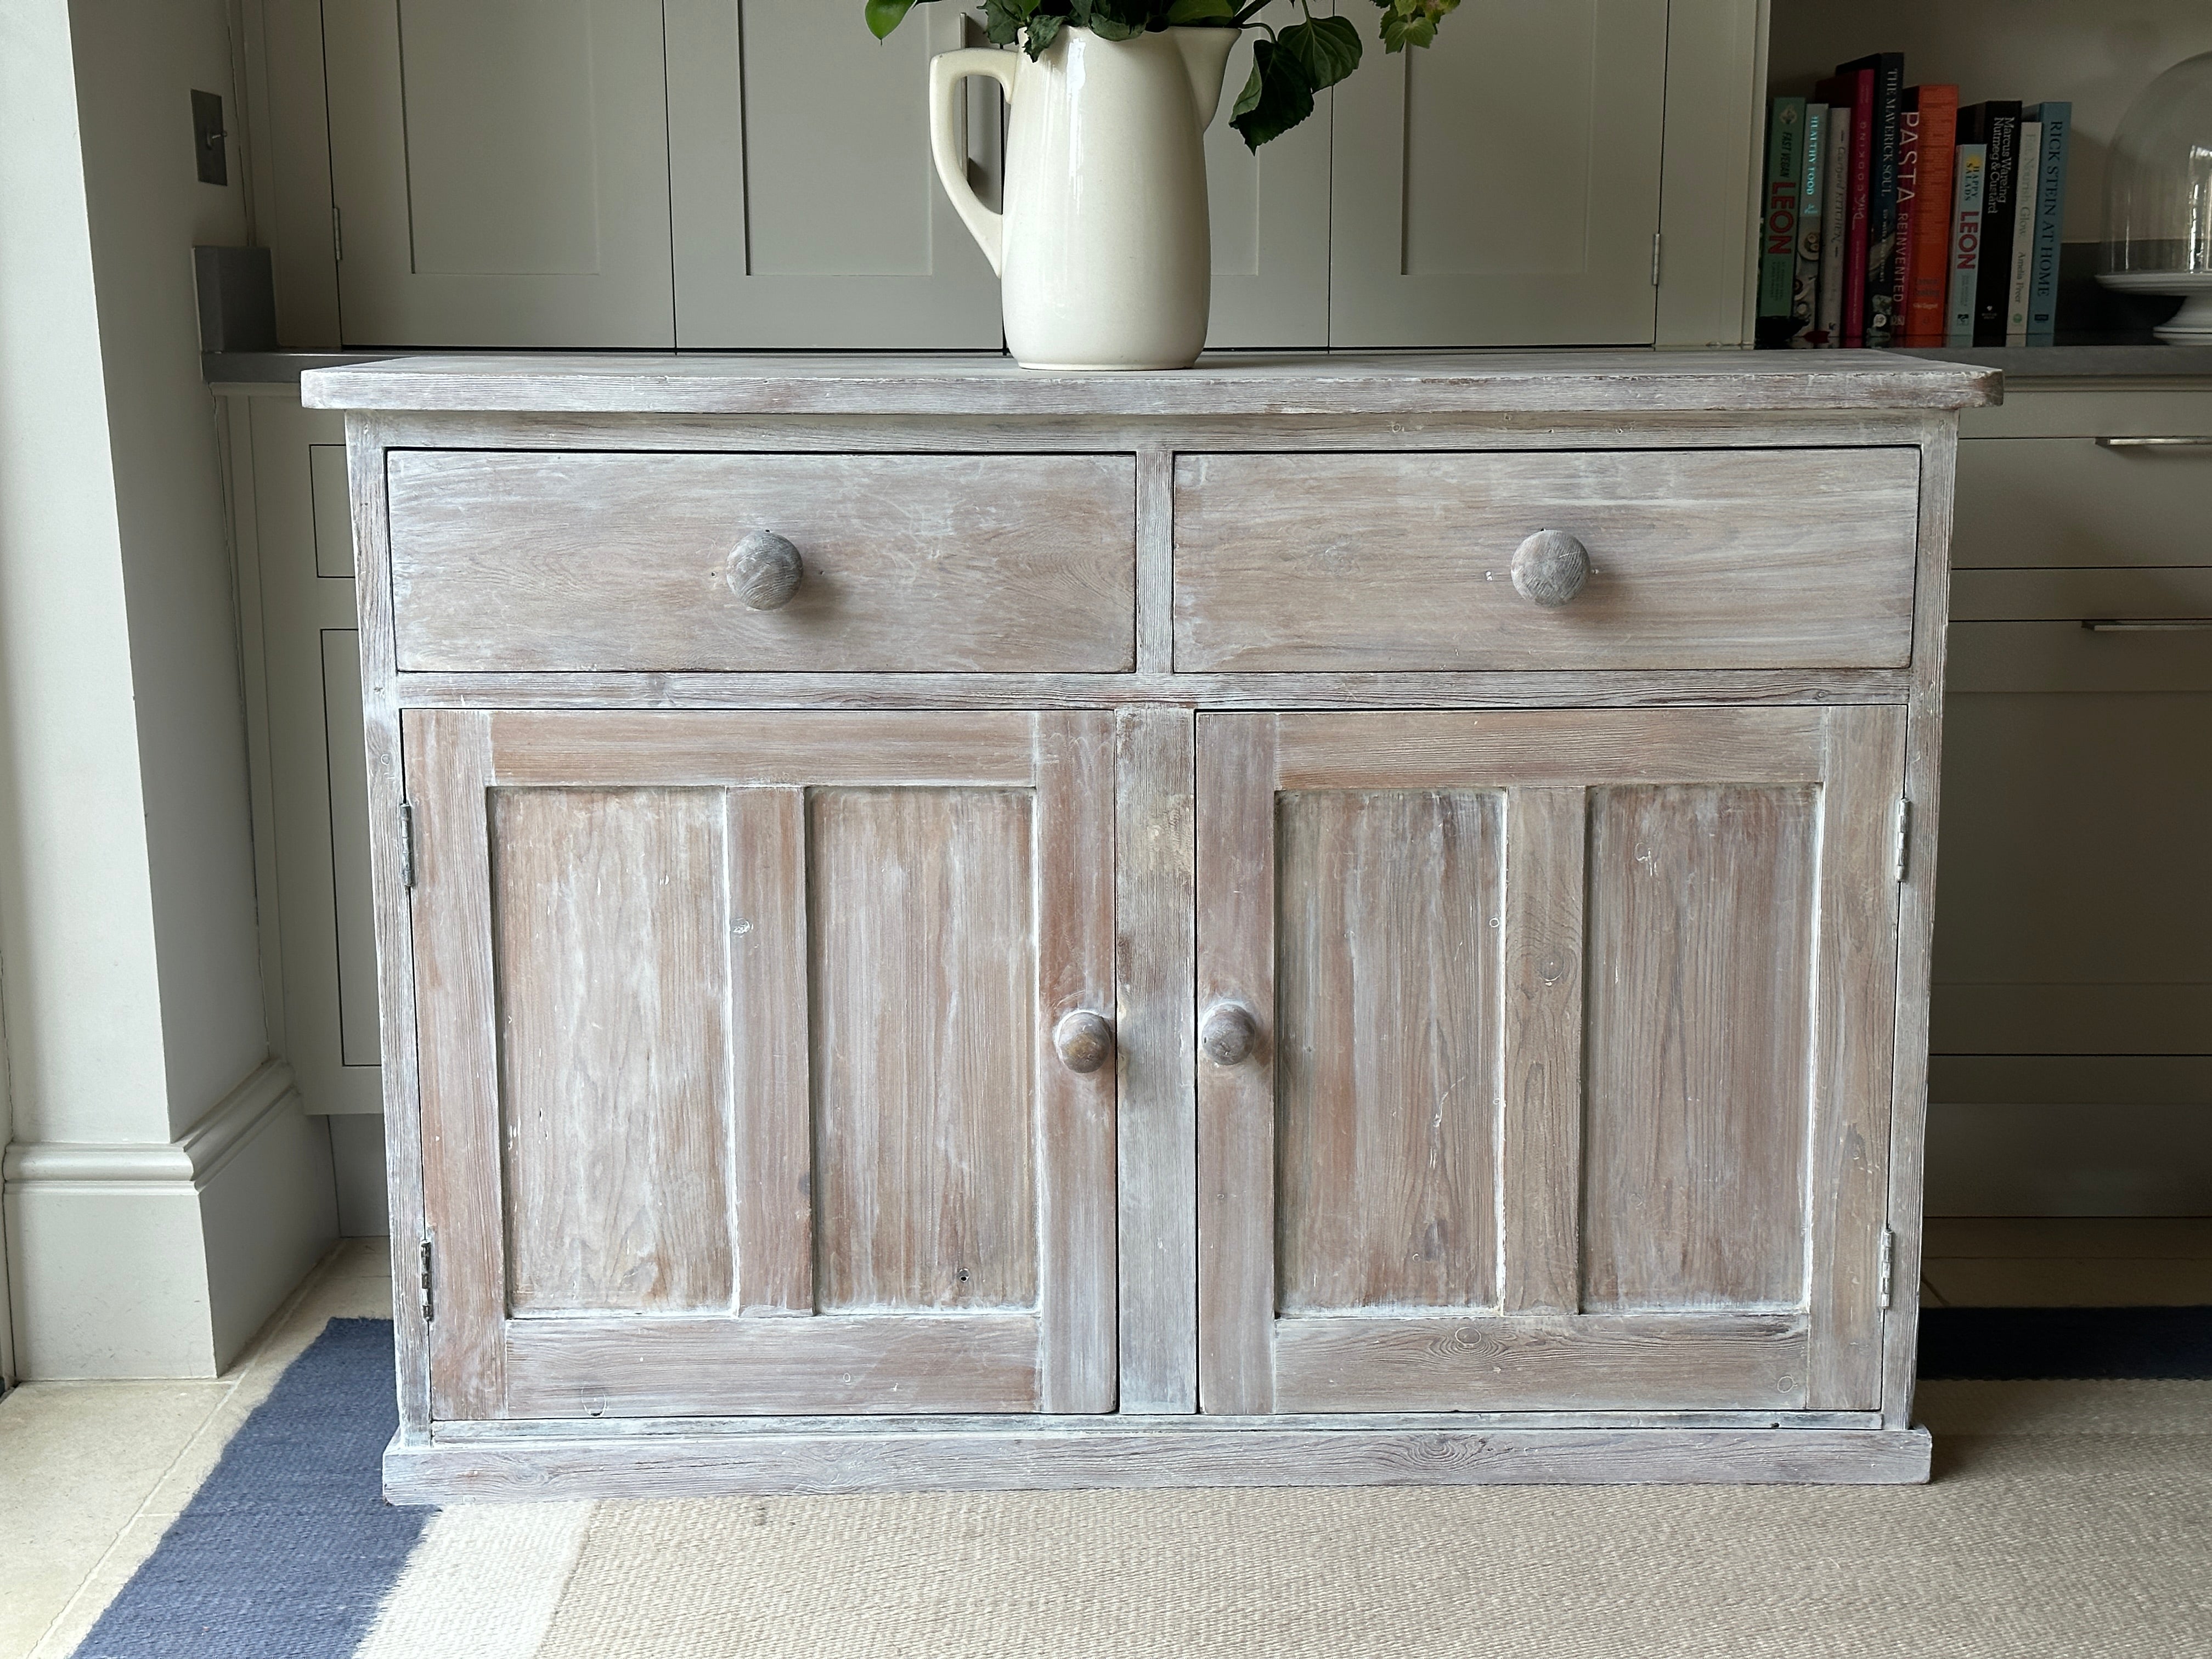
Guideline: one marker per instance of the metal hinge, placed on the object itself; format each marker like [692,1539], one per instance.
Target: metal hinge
[1903,837]
[1654,258]
[429,1299]
[1881,1284]
[407,845]
[338,238]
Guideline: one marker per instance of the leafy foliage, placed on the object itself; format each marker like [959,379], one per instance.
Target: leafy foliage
[1289,67]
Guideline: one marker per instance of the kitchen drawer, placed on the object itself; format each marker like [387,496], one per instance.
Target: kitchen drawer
[2075,501]
[1749,558]
[538,560]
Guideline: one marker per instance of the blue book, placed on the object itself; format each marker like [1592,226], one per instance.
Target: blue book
[2050,222]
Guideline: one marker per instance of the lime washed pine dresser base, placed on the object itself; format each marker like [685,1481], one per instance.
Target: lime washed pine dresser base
[1320,919]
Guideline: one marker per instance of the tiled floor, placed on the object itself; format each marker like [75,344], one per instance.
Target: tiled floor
[91,1474]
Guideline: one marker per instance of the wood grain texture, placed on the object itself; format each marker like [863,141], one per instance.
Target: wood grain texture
[1074,1119]
[1235,888]
[919,927]
[1154,1454]
[1700,559]
[1155,558]
[1396,1364]
[1386,1038]
[457,1059]
[621,561]
[1245,383]
[610,912]
[771,1099]
[1554,748]
[682,1366]
[1853,1074]
[1157,1143]
[1540,1135]
[795,748]
[1702,920]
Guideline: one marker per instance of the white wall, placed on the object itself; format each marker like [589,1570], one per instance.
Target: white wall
[2097,53]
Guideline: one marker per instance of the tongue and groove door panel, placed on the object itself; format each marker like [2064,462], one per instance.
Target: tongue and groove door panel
[738,1082]
[1567,1078]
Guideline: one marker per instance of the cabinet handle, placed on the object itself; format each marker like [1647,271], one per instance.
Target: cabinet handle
[1550,568]
[2147,624]
[1084,1041]
[1229,1035]
[2154,443]
[764,571]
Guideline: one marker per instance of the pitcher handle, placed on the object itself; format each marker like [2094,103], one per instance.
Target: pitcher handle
[947,143]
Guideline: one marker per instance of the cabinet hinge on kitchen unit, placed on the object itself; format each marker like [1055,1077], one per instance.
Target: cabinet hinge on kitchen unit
[337,238]
[1881,1284]
[1903,837]
[430,1304]
[407,845]
[1654,258]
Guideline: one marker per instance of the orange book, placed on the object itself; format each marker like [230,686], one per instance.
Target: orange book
[1927,291]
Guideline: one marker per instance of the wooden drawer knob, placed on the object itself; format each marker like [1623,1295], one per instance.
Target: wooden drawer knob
[764,571]
[1229,1035]
[1550,568]
[1085,1040]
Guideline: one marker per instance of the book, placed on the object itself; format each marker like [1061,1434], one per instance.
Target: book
[1928,291]
[1888,70]
[1835,213]
[1996,126]
[1969,162]
[1908,216]
[2058,119]
[2030,175]
[1855,90]
[1778,247]
[1805,294]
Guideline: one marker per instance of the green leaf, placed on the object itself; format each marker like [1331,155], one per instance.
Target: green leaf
[1412,22]
[1326,49]
[1112,20]
[1003,20]
[1276,98]
[1186,12]
[884,16]
[1044,29]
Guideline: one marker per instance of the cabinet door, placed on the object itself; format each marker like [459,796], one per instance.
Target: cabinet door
[1270,217]
[1502,186]
[1572,1076]
[739,1088]
[807,212]
[500,169]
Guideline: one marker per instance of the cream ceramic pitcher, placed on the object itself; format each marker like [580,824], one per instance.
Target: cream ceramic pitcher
[1103,253]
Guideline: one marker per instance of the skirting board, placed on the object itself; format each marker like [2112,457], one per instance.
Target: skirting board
[1114,1455]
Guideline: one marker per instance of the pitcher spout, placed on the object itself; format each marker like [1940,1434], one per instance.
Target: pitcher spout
[1206,59]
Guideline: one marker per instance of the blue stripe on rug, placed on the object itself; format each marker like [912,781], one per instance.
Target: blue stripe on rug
[288,1548]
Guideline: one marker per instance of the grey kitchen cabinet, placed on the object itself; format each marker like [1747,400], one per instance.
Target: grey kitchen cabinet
[2072,1014]
[718,174]
[302,663]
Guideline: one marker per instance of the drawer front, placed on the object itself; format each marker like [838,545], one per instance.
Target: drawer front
[1753,558]
[2059,502]
[603,560]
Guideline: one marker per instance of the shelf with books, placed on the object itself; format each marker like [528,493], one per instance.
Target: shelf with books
[1894,218]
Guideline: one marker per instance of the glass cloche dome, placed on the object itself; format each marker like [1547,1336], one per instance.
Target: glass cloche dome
[2158,198]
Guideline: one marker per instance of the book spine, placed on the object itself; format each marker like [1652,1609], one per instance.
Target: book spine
[1777,258]
[1929,295]
[1968,167]
[2000,178]
[1805,294]
[1908,216]
[2028,178]
[1881,199]
[2050,224]
[1835,219]
[1855,238]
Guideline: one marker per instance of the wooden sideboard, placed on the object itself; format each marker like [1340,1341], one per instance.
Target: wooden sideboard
[1151,961]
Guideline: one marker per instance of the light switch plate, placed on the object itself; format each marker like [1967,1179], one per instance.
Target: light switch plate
[208,147]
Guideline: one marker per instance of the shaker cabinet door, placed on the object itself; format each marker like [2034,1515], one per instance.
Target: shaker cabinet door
[1501,187]
[1545,1058]
[807,212]
[739,1087]
[500,170]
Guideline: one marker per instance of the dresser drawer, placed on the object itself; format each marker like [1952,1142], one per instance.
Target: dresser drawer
[1750,558]
[514,560]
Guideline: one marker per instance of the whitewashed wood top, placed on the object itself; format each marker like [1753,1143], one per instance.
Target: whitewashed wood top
[1241,383]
